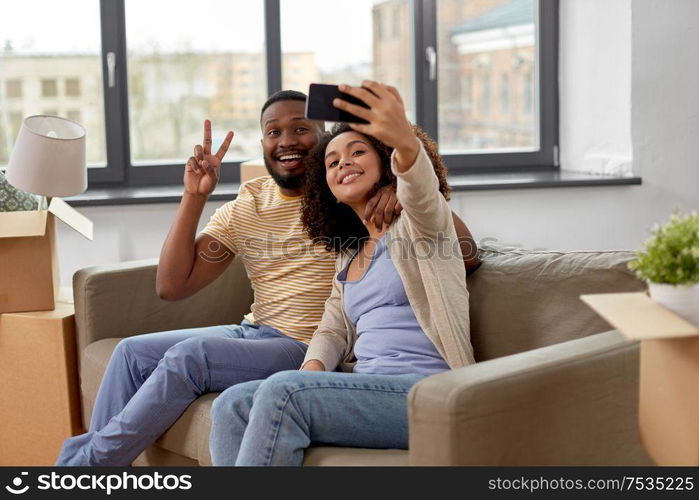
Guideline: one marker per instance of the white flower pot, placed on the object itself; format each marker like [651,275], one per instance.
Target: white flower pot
[681,299]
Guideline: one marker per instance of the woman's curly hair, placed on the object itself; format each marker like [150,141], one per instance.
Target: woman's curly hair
[335,224]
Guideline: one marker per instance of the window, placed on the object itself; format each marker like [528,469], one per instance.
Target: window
[75,115]
[503,46]
[397,21]
[366,54]
[504,94]
[485,97]
[33,63]
[49,88]
[466,92]
[171,88]
[50,112]
[15,122]
[478,75]
[527,94]
[378,24]
[72,87]
[10,123]
[13,89]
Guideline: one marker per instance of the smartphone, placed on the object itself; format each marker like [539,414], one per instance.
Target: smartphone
[319,105]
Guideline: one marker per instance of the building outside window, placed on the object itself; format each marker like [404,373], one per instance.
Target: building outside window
[72,87]
[13,88]
[178,78]
[42,65]
[485,95]
[396,21]
[486,36]
[49,87]
[75,115]
[505,94]
[376,49]
[467,93]
[527,94]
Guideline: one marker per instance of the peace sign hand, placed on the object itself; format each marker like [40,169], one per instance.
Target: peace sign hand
[203,170]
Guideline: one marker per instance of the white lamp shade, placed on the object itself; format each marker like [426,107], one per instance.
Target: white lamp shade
[49,157]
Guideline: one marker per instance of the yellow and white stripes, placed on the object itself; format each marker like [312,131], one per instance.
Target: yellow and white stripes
[291,276]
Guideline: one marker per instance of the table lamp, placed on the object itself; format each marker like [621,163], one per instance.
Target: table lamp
[49,157]
[49,160]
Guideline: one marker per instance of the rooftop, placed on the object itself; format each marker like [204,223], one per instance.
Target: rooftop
[512,13]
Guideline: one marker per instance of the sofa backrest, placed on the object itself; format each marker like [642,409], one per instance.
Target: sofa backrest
[523,299]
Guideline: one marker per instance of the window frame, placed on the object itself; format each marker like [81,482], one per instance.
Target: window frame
[546,157]
[119,171]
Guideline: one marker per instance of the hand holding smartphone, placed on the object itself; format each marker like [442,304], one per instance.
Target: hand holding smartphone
[319,105]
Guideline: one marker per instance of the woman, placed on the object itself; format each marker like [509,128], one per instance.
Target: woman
[398,310]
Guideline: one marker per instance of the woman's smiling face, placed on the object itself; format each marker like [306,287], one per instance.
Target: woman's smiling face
[352,167]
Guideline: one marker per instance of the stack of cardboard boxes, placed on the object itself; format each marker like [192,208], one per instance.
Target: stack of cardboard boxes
[39,401]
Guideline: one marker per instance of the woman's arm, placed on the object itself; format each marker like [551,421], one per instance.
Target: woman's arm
[417,186]
[329,341]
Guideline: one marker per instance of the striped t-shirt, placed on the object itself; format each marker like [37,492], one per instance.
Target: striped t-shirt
[290,275]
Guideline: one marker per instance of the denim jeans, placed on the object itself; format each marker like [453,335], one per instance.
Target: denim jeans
[151,380]
[273,421]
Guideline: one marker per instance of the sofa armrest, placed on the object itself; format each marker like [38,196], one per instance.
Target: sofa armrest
[573,403]
[120,301]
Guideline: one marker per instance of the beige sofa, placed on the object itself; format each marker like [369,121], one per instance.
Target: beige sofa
[552,385]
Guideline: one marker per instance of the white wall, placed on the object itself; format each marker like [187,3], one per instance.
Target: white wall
[628,85]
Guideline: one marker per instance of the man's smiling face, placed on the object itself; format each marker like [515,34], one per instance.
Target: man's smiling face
[287,137]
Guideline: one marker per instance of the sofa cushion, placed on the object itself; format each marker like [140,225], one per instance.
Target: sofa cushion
[519,300]
[93,363]
[525,299]
[189,436]
[187,441]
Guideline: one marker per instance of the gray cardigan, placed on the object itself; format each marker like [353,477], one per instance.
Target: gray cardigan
[424,248]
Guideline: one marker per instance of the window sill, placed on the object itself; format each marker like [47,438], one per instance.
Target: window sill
[144,194]
[533,179]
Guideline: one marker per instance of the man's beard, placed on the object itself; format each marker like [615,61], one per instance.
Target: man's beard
[285,181]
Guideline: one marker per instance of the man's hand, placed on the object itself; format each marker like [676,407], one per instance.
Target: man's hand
[382,208]
[386,117]
[313,365]
[203,170]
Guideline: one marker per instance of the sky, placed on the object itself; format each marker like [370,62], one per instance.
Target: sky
[339,32]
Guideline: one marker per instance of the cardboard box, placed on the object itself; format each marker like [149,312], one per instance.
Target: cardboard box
[252,169]
[669,373]
[39,401]
[28,260]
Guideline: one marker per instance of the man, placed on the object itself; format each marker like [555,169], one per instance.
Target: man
[151,379]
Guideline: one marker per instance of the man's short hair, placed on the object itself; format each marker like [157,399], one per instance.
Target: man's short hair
[283,95]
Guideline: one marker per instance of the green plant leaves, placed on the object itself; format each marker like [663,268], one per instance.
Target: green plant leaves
[671,255]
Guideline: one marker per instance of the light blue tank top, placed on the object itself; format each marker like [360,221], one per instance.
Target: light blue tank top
[390,340]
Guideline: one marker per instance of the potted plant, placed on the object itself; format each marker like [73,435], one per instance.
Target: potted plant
[669,262]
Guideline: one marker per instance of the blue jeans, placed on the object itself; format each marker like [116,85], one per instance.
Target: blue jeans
[273,421]
[151,380]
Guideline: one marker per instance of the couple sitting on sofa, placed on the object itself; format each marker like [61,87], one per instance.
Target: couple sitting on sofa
[357,264]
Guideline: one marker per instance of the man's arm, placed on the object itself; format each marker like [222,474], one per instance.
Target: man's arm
[186,266]
[469,249]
